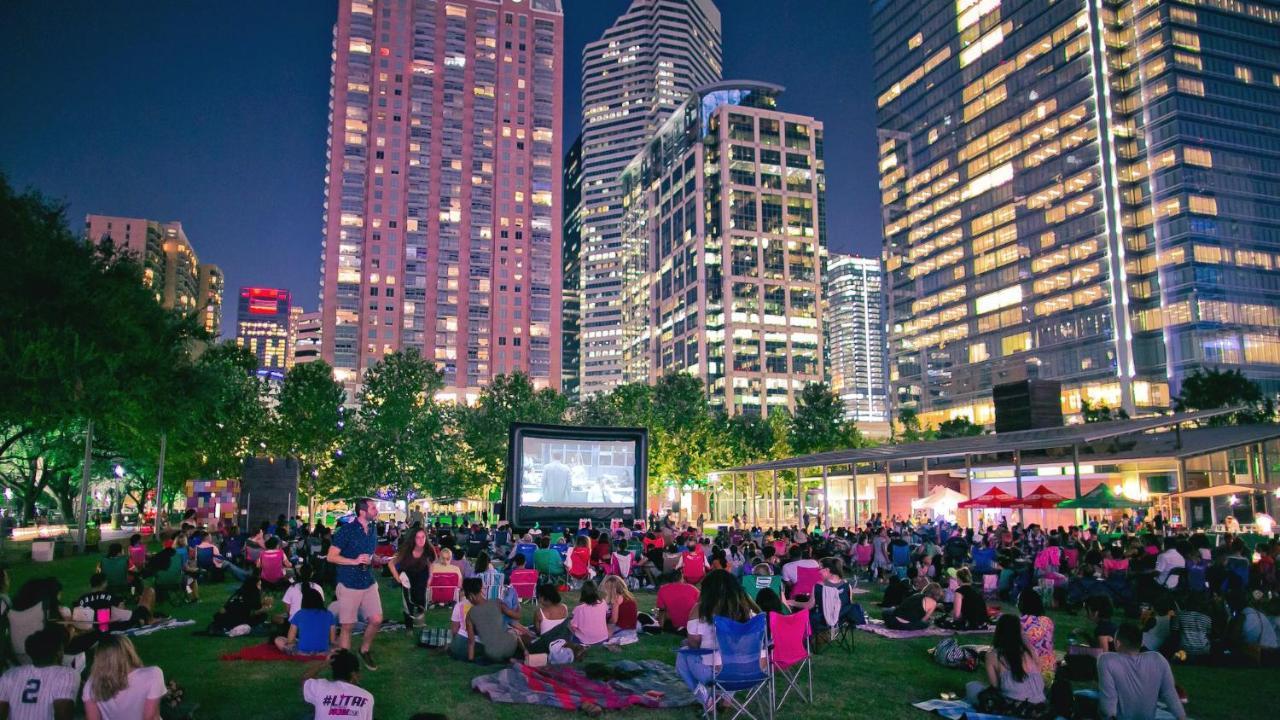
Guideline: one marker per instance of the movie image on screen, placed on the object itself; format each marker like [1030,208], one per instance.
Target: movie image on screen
[577,473]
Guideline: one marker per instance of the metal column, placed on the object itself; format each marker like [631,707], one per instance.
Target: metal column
[777,514]
[826,502]
[1075,468]
[853,496]
[886,492]
[753,498]
[1017,475]
[968,486]
[924,476]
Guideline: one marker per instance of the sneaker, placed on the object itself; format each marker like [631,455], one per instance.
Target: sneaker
[367,657]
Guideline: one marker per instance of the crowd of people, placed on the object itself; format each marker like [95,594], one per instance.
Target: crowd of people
[1151,598]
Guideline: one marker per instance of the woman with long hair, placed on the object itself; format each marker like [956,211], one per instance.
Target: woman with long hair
[1013,673]
[411,567]
[722,596]
[623,611]
[119,686]
[1037,627]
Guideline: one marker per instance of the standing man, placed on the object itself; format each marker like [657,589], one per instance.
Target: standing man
[352,553]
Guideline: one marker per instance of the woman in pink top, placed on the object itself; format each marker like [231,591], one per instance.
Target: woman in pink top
[272,563]
[590,623]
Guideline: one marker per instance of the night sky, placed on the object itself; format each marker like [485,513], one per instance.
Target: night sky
[215,114]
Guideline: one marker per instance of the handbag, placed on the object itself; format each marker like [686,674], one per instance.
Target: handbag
[435,637]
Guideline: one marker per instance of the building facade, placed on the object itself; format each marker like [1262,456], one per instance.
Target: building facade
[442,221]
[1083,187]
[306,336]
[571,258]
[853,327]
[170,266]
[633,78]
[264,326]
[723,245]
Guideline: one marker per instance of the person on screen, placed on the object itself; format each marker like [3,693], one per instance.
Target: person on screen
[555,482]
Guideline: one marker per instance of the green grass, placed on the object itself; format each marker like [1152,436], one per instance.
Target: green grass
[879,680]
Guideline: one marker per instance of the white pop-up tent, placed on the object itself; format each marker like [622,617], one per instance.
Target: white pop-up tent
[942,501]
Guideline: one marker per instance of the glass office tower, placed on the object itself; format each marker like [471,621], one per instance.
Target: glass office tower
[1082,189]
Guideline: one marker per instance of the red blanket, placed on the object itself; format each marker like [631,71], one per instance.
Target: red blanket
[267,651]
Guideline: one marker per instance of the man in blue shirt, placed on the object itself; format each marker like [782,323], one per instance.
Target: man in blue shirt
[352,554]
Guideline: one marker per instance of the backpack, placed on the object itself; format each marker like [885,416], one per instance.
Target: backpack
[434,637]
[949,654]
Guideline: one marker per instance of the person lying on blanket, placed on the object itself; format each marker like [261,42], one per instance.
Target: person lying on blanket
[916,612]
[312,629]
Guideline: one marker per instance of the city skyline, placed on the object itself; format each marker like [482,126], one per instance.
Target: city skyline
[240,163]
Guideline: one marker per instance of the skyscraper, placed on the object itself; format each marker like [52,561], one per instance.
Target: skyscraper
[571,251]
[306,336]
[633,77]
[442,216]
[263,327]
[854,336]
[170,266]
[1079,189]
[723,241]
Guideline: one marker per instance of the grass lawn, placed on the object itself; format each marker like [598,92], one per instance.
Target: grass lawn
[879,680]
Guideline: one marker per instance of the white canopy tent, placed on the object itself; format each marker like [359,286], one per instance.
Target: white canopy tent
[942,501]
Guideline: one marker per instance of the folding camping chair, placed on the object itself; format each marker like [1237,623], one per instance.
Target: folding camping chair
[527,550]
[753,584]
[839,622]
[789,658]
[442,589]
[739,679]
[525,583]
[807,579]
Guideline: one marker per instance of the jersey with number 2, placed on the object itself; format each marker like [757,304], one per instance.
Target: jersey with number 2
[32,691]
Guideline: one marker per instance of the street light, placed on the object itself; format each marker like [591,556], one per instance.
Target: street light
[119,471]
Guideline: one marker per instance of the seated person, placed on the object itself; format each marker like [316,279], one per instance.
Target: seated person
[547,561]
[623,611]
[1157,624]
[1099,610]
[444,564]
[246,606]
[1131,682]
[969,609]
[1037,628]
[1014,683]
[312,629]
[1251,636]
[895,592]
[551,622]
[487,633]
[116,567]
[272,564]
[674,602]
[45,688]
[1116,562]
[101,610]
[342,692]
[590,623]
[916,612]
[832,600]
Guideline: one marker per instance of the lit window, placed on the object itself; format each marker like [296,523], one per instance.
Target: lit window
[1186,40]
[1020,342]
[1243,74]
[1202,205]
[998,299]
[915,41]
[1191,86]
[1198,156]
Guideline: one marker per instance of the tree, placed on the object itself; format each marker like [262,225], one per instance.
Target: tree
[507,399]
[398,442]
[818,424]
[745,438]
[910,422]
[628,405]
[958,427]
[1100,413]
[308,424]
[682,441]
[1214,388]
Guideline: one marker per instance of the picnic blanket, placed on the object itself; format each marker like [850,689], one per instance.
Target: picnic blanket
[956,709]
[647,683]
[168,624]
[264,652]
[877,627]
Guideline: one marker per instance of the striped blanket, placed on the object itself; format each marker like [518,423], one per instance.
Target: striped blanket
[648,683]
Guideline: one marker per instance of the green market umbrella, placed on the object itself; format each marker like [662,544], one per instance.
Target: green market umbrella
[1101,497]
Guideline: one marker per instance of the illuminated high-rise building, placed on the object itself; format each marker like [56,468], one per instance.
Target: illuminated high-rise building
[723,245]
[170,266]
[1082,190]
[264,327]
[571,262]
[442,213]
[639,71]
[854,340]
[305,332]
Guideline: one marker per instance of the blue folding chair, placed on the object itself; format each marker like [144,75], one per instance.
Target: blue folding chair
[739,679]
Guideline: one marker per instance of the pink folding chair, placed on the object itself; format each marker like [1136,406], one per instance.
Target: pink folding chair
[442,588]
[789,657]
[807,579]
[525,583]
[863,555]
[694,568]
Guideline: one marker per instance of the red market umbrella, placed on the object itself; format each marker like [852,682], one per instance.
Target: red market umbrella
[993,498]
[1042,498]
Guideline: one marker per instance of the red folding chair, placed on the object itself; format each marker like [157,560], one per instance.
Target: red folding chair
[442,588]
[789,657]
[694,568]
[525,583]
[807,579]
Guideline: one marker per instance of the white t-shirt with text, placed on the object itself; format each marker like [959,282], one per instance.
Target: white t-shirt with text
[338,699]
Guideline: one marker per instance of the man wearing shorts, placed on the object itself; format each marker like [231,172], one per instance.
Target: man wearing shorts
[352,554]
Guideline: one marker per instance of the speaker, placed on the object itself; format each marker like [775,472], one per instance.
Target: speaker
[268,489]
